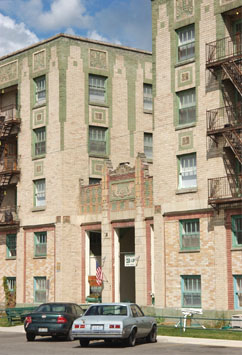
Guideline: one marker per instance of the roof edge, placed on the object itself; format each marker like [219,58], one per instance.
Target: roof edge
[79,38]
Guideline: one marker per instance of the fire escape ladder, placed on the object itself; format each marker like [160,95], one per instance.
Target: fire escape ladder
[5,180]
[235,143]
[234,74]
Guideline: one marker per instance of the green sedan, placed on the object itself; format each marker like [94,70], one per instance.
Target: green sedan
[52,319]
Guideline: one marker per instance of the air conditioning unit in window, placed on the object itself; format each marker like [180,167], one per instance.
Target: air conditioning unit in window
[236,321]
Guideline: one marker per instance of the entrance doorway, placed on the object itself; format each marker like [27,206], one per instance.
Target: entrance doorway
[127,264]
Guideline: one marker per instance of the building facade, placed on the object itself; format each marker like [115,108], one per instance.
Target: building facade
[96,173]
[70,108]
[197,89]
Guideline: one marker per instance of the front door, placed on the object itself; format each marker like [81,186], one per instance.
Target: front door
[127,264]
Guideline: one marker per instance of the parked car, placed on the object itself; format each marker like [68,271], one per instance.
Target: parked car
[53,319]
[114,321]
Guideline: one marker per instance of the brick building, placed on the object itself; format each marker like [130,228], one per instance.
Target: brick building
[197,56]
[76,189]
[71,107]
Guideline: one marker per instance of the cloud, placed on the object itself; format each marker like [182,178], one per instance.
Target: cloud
[14,35]
[61,14]
[96,36]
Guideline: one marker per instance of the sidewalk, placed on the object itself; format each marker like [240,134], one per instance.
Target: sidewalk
[161,339]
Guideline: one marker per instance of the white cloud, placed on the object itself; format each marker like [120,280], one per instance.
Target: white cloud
[63,13]
[14,35]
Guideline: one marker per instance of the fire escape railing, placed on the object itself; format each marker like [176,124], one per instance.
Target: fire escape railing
[223,118]
[225,189]
[224,49]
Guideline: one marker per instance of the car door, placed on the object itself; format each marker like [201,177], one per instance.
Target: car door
[138,320]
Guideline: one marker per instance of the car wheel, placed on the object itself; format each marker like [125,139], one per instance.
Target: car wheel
[30,336]
[69,336]
[152,336]
[132,338]
[84,342]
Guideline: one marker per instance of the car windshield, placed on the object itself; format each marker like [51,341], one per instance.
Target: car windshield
[52,308]
[107,310]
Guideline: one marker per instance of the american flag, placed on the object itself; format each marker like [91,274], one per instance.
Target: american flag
[99,274]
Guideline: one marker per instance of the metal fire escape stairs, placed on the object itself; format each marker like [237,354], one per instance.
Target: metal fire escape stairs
[6,128]
[232,134]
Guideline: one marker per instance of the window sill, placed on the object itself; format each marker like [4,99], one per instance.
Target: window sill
[96,155]
[188,61]
[149,112]
[101,104]
[37,209]
[239,248]
[11,258]
[189,251]
[39,157]
[186,191]
[39,104]
[185,126]
[40,257]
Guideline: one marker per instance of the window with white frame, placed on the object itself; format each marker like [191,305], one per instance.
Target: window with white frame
[11,246]
[97,88]
[97,140]
[40,243]
[40,290]
[191,291]
[189,234]
[187,106]
[237,230]
[186,43]
[39,141]
[40,89]
[187,171]
[39,195]
[147,97]
[237,291]
[148,145]
[11,282]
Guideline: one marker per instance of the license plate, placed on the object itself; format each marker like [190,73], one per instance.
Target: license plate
[97,327]
[43,330]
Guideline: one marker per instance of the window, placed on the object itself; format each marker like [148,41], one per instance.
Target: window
[39,186]
[40,91]
[237,230]
[11,282]
[187,106]
[39,141]
[148,145]
[238,291]
[147,97]
[186,43]
[97,88]
[39,289]
[189,234]
[188,171]
[40,244]
[11,246]
[97,140]
[191,291]
[94,181]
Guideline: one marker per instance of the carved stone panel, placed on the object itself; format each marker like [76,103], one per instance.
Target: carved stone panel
[183,9]
[39,60]
[122,190]
[8,72]
[98,59]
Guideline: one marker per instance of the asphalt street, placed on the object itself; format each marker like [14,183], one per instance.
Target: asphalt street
[13,342]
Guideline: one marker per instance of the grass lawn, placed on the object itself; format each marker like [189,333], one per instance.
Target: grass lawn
[200,333]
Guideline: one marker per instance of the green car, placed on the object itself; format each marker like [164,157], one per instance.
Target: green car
[52,319]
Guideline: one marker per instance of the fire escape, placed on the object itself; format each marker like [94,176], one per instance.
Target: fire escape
[9,172]
[224,124]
